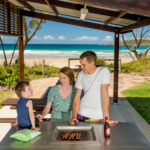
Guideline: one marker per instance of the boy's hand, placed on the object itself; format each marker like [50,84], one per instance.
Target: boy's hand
[14,124]
[34,128]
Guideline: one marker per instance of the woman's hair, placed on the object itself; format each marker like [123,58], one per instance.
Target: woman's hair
[69,73]
[21,87]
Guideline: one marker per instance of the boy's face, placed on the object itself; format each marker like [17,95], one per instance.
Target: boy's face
[28,92]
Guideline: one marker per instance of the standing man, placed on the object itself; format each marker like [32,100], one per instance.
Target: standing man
[94,81]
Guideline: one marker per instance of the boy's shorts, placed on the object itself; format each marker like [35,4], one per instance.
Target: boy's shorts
[29,127]
[85,119]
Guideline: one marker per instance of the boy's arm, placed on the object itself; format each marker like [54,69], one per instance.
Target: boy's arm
[31,114]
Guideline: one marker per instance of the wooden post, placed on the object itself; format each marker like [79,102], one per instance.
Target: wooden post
[43,67]
[116,58]
[21,51]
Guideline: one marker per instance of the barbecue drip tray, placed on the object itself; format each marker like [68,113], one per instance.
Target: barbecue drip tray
[74,133]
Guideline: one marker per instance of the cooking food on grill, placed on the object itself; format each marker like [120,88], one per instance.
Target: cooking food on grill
[65,137]
[71,136]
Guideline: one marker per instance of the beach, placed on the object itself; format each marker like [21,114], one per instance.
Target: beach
[59,61]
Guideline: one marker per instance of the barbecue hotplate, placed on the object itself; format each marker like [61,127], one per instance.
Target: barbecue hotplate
[74,133]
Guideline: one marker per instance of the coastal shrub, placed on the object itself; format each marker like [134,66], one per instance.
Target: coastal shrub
[9,75]
[36,71]
[101,62]
[141,66]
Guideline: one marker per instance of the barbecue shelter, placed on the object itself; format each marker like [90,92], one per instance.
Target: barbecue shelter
[117,16]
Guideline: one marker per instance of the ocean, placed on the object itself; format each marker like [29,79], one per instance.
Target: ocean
[67,50]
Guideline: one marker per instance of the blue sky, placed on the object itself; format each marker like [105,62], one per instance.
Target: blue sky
[59,33]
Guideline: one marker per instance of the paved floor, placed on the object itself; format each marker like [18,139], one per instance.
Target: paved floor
[122,111]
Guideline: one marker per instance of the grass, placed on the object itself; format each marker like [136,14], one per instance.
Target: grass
[4,95]
[139,98]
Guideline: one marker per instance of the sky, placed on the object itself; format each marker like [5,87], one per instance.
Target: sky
[59,33]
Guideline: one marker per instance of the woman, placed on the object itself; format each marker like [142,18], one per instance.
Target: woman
[60,97]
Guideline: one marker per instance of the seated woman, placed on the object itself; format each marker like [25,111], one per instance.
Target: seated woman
[60,97]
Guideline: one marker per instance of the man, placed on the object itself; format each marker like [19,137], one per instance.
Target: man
[94,81]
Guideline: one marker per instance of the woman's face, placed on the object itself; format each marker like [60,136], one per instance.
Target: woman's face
[64,79]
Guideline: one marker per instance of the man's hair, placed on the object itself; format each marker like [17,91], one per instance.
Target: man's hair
[21,87]
[89,55]
[69,73]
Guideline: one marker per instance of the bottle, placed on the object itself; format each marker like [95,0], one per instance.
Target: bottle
[106,128]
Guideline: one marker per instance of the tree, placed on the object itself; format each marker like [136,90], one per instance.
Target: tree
[30,26]
[136,44]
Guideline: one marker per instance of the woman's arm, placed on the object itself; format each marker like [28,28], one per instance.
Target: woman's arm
[46,109]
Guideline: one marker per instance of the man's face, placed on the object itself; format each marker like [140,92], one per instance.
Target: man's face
[85,65]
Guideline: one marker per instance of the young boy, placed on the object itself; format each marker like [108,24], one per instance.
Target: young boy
[25,115]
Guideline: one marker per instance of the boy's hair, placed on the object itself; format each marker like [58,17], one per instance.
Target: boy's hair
[21,87]
[89,55]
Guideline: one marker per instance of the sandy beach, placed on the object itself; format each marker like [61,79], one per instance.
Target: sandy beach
[59,61]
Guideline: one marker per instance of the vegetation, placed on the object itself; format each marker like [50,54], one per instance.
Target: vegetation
[141,66]
[139,97]
[10,74]
[4,95]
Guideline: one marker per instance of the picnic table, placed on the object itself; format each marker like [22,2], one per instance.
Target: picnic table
[38,103]
[38,106]
[125,135]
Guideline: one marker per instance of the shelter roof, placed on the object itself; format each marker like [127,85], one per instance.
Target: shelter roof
[123,14]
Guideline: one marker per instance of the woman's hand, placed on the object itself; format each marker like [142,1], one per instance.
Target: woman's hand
[40,117]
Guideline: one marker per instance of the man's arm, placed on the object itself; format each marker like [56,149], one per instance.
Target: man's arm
[75,106]
[106,102]
[105,99]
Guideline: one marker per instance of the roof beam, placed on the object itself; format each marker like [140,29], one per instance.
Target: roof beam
[134,6]
[111,19]
[139,24]
[93,10]
[25,4]
[52,7]
[68,21]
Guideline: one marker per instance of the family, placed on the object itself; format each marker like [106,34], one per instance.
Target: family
[85,99]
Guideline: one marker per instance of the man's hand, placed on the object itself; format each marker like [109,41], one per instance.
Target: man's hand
[113,122]
[73,121]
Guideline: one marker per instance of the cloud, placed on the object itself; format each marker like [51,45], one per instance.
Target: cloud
[35,37]
[48,37]
[108,38]
[85,38]
[61,37]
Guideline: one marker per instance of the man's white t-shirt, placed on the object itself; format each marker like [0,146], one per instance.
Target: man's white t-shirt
[90,105]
